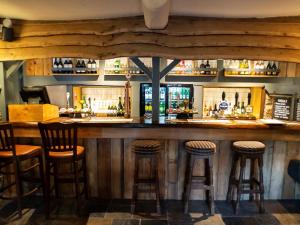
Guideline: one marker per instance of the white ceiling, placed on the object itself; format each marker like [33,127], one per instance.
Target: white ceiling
[98,9]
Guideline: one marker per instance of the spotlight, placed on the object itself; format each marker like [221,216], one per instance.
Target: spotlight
[7,30]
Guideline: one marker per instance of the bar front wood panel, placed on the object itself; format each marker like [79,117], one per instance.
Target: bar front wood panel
[184,37]
[105,169]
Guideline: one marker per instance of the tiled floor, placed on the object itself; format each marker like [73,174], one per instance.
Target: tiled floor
[117,212]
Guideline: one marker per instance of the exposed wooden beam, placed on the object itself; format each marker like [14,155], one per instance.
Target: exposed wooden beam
[13,68]
[169,67]
[184,37]
[142,66]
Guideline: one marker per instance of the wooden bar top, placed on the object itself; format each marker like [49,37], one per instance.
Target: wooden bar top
[208,129]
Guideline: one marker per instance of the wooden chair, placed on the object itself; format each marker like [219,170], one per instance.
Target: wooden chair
[11,157]
[254,151]
[60,145]
[200,150]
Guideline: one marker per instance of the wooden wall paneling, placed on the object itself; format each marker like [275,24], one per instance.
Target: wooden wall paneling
[128,170]
[104,167]
[277,171]
[47,63]
[288,188]
[30,67]
[172,169]
[116,169]
[91,159]
[162,168]
[216,166]
[283,69]
[181,166]
[225,157]
[39,67]
[291,69]
[267,169]
[298,70]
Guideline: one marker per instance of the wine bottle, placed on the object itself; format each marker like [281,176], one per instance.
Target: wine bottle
[89,66]
[94,66]
[269,68]
[243,110]
[249,108]
[55,65]
[202,67]
[207,67]
[60,66]
[274,69]
[83,67]
[78,65]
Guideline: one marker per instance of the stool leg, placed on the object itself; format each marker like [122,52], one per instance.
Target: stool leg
[135,184]
[240,184]
[251,180]
[261,184]
[190,167]
[157,186]
[47,189]
[232,177]
[43,181]
[211,186]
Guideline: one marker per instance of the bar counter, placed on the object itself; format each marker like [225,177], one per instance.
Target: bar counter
[110,160]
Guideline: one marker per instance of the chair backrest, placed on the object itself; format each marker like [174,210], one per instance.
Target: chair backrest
[59,137]
[7,138]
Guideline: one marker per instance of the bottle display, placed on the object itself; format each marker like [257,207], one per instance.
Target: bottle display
[66,66]
[195,68]
[227,103]
[248,67]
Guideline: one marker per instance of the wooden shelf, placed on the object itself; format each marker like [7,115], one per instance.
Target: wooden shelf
[122,77]
[253,76]
[192,75]
[76,77]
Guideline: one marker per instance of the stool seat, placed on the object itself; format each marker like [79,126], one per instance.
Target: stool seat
[21,150]
[249,147]
[146,146]
[66,154]
[200,147]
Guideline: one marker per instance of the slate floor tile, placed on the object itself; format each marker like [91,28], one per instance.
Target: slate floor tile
[99,221]
[267,219]
[240,221]
[292,206]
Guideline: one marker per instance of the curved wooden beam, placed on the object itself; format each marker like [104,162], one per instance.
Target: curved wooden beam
[130,50]
[184,37]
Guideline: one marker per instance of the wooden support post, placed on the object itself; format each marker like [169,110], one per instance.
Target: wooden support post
[155,88]
[2,92]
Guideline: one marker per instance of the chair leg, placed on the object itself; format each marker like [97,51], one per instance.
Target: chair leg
[43,182]
[240,184]
[157,186]
[18,186]
[47,190]
[190,167]
[251,180]
[232,178]
[211,186]
[135,184]
[56,182]
[261,184]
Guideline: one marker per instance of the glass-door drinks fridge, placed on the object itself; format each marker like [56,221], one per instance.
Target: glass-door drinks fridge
[172,96]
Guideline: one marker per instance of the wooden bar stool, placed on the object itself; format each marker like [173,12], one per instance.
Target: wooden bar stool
[243,150]
[12,155]
[148,149]
[200,150]
[60,145]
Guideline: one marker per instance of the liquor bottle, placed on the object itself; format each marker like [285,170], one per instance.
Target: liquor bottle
[202,67]
[60,66]
[215,111]
[94,66]
[274,69]
[205,111]
[207,67]
[243,110]
[55,66]
[249,108]
[117,64]
[83,67]
[246,66]
[235,107]
[269,68]
[120,107]
[89,66]
[78,66]
[71,66]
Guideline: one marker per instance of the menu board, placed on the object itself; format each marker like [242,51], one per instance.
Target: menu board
[298,109]
[282,107]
